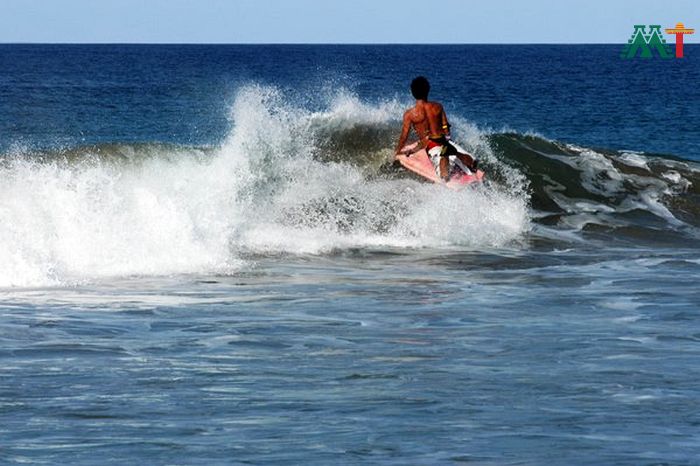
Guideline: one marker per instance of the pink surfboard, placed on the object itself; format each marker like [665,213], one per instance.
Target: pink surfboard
[419,162]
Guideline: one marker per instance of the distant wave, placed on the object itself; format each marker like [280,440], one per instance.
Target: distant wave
[293,181]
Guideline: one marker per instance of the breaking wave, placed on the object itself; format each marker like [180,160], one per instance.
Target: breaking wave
[286,180]
[289,180]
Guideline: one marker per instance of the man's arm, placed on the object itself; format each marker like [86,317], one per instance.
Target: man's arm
[445,123]
[404,132]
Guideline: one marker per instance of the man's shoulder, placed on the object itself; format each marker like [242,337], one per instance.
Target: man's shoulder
[410,113]
[435,105]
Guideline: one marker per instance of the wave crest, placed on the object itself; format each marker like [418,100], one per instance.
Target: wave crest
[286,179]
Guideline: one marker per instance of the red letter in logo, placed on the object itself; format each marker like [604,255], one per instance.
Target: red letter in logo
[679,31]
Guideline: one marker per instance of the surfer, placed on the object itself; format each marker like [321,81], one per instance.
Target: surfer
[429,121]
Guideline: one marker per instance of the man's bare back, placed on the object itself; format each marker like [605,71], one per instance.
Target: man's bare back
[429,121]
[426,118]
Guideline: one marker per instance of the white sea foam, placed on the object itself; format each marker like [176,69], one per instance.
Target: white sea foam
[64,223]
[634,159]
[264,190]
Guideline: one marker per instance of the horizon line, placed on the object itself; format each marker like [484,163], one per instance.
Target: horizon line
[318,43]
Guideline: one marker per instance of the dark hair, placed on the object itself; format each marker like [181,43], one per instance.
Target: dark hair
[420,87]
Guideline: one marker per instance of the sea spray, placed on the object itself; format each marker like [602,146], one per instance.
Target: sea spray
[323,200]
[293,180]
[274,185]
[64,223]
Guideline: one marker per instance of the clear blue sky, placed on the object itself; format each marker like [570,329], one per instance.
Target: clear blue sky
[333,21]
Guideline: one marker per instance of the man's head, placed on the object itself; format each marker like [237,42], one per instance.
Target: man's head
[420,87]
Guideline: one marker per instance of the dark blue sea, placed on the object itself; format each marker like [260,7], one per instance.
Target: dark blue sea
[208,257]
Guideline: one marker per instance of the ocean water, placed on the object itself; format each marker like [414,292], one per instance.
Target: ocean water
[209,258]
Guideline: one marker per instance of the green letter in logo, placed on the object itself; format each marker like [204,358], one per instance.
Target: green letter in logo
[646,42]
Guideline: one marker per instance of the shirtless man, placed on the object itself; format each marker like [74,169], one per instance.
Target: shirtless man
[430,123]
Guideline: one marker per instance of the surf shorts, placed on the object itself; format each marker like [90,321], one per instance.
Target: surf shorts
[443,150]
[436,150]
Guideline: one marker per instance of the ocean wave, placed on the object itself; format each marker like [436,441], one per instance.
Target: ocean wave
[288,180]
[580,187]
